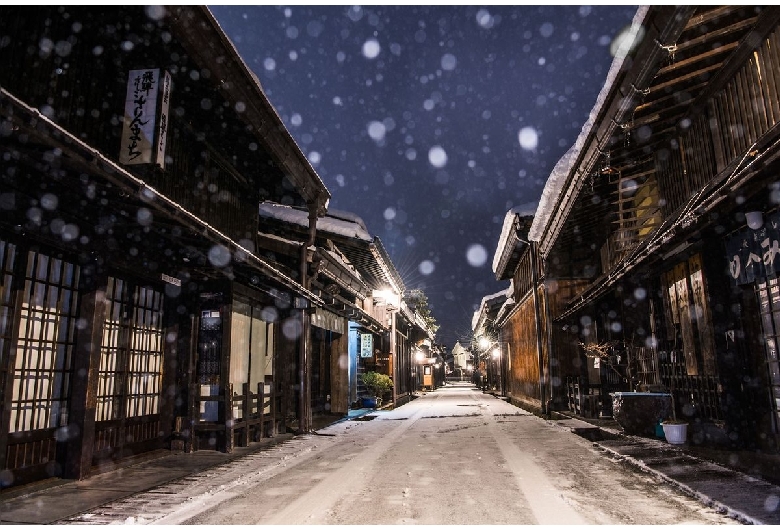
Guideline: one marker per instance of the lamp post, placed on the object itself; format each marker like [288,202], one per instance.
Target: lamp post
[494,354]
[419,358]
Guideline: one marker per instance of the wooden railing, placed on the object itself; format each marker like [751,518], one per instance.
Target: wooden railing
[693,394]
[242,418]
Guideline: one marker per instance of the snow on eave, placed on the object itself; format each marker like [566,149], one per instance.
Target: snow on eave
[504,310]
[506,229]
[341,223]
[322,194]
[485,299]
[555,186]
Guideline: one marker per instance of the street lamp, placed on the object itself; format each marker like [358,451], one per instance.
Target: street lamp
[419,357]
[493,354]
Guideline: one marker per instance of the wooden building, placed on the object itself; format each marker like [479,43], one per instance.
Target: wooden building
[135,309]
[352,272]
[656,234]
[492,355]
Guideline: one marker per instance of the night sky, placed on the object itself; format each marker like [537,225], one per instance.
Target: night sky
[431,122]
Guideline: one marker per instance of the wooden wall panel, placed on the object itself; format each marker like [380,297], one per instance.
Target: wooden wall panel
[520,332]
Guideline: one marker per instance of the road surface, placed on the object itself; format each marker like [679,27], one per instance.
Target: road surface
[453,456]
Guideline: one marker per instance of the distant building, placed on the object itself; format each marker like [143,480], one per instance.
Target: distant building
[461,358]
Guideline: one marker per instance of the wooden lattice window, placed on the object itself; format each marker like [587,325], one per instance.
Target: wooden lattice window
[145,356]
[45,344]
[131,358]
[7,260]
[769,306]
[637,202]
[689,317]
[113,354]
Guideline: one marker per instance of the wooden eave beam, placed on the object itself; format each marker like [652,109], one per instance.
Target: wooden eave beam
[766,22]
[198,31]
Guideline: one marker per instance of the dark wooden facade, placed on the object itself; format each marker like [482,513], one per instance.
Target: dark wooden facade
[682,153]
[135,312]
[661,241]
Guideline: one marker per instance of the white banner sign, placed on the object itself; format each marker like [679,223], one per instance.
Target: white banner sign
[366,345]
[140,111]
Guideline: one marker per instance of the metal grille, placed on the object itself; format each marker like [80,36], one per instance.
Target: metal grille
[44,348]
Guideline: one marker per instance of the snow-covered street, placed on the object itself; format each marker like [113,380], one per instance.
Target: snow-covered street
[453,456]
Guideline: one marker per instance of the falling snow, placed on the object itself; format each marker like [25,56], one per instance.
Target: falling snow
[430,122]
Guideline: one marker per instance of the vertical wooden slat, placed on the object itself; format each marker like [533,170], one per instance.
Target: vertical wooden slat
[767,85]
[191,441]
[734,118]
[729,114]
[261,406]
[746,108]
[758,95]
[229,421]
[246,408]
[715,131]
[771,53]
[756,89]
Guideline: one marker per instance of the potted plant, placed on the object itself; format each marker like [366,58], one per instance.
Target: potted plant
[376,385]
[675,431]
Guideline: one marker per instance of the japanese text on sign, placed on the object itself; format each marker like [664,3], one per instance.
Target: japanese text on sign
[140,111]
[752,254]
[366,345]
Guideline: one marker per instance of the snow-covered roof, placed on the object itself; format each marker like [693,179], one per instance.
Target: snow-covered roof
[485,301]
[335,222]
[506,230]
[556,183]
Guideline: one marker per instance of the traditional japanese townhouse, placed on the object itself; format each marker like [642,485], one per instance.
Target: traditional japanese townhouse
[663,219]
[343,332]
[388,305]
[353,273]
[461,362]
[492,354]
[134,311]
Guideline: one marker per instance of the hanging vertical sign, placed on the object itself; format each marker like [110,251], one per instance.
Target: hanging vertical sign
[162,132]
[366,345]
[143,133]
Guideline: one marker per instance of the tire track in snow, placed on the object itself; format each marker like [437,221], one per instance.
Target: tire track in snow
[547,504]
[312,506]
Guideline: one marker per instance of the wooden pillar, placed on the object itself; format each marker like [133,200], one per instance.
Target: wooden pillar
[175,326]
[10,360]
[339,375]
[84,385]
[246,408]
[191,438]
